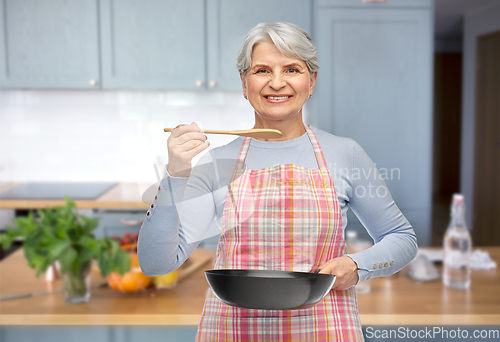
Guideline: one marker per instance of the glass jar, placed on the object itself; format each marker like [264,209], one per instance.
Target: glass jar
[77,286]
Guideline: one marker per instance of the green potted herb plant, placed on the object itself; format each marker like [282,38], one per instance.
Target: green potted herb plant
[62,234]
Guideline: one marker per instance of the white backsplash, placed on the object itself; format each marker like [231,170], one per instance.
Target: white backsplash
[104,135]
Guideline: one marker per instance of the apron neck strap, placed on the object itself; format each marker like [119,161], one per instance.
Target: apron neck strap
[243,153]
[317,149]
[312,137]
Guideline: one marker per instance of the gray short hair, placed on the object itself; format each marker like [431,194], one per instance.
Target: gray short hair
[291,41]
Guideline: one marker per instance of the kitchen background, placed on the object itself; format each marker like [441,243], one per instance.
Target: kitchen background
[399,77]
[154,76]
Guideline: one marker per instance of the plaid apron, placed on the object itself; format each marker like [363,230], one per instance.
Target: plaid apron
[285,217]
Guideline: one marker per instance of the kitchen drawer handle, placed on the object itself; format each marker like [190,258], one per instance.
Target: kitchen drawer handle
[131,222]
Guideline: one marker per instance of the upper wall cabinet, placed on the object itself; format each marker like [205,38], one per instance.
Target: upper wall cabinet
[49,44]
[228,22]
[144,44]
[374,4]
[153,44]
[158,44]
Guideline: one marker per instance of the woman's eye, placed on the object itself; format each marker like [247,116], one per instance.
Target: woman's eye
[261,71]
[292,70]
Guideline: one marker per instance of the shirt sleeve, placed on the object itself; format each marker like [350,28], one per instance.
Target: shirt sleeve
[177,221]
[395,240]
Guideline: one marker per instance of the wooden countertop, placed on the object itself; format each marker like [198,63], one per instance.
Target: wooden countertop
[396,300]
[121,196]
[181,305]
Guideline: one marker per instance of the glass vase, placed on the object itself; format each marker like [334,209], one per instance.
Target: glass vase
[77,286]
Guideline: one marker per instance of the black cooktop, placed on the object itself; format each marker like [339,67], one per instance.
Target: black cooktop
[55,191]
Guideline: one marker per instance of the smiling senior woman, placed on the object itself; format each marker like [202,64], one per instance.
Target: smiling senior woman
[281,204]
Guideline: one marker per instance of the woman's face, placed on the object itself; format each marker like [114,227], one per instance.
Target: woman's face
[277,86]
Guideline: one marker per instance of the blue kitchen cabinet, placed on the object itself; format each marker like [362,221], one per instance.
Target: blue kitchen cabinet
[53,334]
[228,22]
[169,44]
[129,44]
[97,334]
[154,334]
[49,44]
[154,44]
[375,86]
[408,4]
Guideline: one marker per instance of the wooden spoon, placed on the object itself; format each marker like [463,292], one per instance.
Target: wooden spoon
[263,133]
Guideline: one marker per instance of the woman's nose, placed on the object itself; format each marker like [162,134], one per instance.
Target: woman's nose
[277,81]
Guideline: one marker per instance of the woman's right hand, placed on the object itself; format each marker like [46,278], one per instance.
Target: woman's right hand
[185,142]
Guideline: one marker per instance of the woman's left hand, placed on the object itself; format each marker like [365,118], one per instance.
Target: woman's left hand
[345,269]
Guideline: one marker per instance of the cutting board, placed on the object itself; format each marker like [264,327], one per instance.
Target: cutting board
[196,260]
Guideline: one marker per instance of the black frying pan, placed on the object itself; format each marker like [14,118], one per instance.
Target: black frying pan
[269,289]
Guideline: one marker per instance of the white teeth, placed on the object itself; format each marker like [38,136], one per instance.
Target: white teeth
[277,97]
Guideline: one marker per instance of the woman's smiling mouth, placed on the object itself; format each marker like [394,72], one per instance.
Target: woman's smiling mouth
[278,98]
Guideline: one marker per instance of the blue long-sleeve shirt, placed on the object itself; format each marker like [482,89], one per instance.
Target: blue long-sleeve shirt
[186,210]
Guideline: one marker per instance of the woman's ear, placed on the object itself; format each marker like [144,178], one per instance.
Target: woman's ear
[312,82]
[243,85]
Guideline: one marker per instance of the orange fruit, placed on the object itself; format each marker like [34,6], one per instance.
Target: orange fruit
[133,280]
